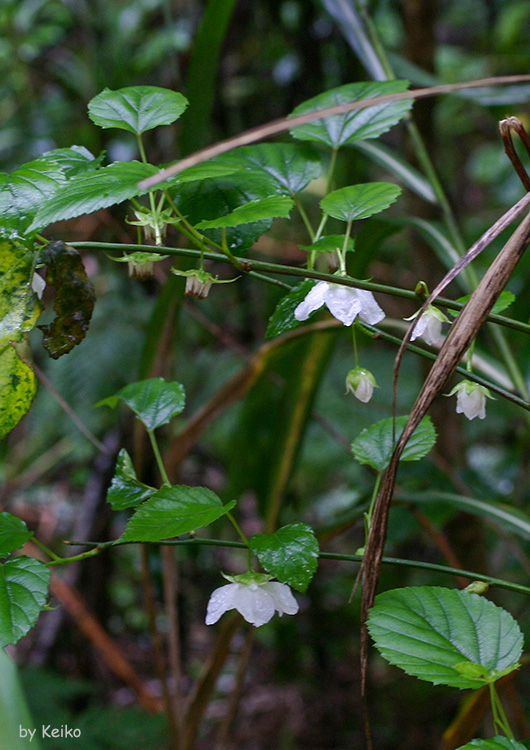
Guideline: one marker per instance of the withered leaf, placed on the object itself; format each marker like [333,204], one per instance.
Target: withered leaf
[74,299]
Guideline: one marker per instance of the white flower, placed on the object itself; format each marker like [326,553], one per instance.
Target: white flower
[429,326]
[471,399]
[199,282]
[38,285]
[362,383]
[254,596]
[343,302]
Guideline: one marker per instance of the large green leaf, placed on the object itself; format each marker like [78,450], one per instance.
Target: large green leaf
[495,743]
[445,636]
[202,171]
[275,206]
[366,123]
[290,554]
[18,314]
[173,511]
[13,533]
[282,319]
[360,201]
[90,191]
[24,191]
[292,165]
[125,490]
[136,108]
[154,401]
[74,299]
[23,591]
[73,160]
[375,445]
[211,199]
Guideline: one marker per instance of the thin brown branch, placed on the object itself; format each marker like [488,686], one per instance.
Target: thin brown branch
[287,123]
[505,127]
[462,333]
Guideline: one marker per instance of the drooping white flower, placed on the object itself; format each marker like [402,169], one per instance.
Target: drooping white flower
[471,399]
[38,285]
[361,383]
[429,326]
[199,282]
[254,596]
[344,302]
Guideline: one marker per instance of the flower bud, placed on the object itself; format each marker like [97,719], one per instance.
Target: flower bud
[362,383]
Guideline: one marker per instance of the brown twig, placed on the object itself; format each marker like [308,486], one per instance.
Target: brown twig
[462,333]
[505,127]
[287,123]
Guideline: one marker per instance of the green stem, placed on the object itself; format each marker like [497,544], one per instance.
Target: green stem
[354,339]
[48,551]
[237,527]
[339,557]
[342,253]
[331,170]
[321,226]
[158,457]
[305,219]
[251,265]
[500,720]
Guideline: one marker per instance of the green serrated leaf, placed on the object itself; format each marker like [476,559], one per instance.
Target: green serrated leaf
[291,165]
[13,533]
[290,554]
[367,123]
[90,191]
[125,490]
[360,201]
[495,743]
[282,319]
[154,401]
[24,191]
[173,511]
[210,199]
[374,446]
[23,590]
[74,299]
[136,108]
[505,300]
[73,160]
[275,206]
[204,171]
[428,630]
[329,244]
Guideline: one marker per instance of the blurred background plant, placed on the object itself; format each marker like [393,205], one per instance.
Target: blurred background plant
[242,63]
